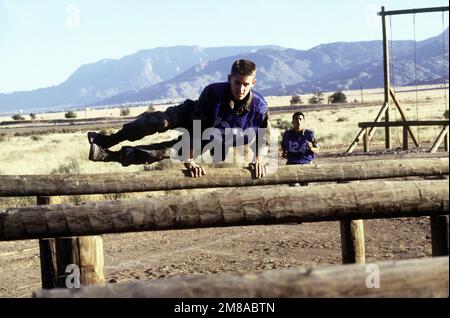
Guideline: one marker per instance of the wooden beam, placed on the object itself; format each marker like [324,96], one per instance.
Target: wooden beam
[411,11]
[439,139]
[402,114]
[333,202]
[47,251]
[405,138]
[366,139]
[352,241]
[439,235]
[386,76]
[372,130]
[406,278]
[27,185]
[83,255]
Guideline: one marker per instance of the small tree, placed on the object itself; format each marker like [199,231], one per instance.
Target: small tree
[338,97]
[32,116]
[317,98]
[18,117]
[296,99]
[70,114]
[124,111]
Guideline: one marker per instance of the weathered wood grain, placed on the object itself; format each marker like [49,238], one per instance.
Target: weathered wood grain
[47,185]
[241,206]
[408,278]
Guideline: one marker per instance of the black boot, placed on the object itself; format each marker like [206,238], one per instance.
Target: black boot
[105,141]
[140,155]
[96,153]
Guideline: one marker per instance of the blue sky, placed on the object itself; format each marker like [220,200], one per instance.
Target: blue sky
[43,42]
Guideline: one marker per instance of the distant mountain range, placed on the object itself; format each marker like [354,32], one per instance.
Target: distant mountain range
[182,71]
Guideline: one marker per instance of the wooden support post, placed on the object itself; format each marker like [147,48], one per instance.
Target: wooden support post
[446,141]
[85,254]
[400,110]
[405,137]
[439,235]
[443,134]
[47,251]
[352,241]
[371,132]
[387,82]
[366,140]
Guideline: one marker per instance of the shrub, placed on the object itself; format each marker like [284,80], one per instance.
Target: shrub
[36,138]
[72,167]
[124,111]
[151,108]
[317,98]
[282,124]
[338,97]
[18,117]
[32,116]
[106,131]
[296,99]
[70,114]
[446,114]
[341,119]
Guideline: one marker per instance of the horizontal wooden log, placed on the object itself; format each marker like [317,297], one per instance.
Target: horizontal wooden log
[360,200]
[408,123]
[408,278]
[46,185]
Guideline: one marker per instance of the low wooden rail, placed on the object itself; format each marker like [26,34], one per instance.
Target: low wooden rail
[50,185]
[409,278]
[365,200]
[406,128]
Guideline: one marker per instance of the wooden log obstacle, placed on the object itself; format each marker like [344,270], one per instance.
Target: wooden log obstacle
[51,185]
[426,277]
[343,202]
[333,202]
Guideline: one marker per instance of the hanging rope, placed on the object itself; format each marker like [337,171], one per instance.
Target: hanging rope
[443,62]
[415,76]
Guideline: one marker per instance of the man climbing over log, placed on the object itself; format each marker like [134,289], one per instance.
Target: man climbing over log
[231,109]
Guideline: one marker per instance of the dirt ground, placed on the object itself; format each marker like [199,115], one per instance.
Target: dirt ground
[162,254]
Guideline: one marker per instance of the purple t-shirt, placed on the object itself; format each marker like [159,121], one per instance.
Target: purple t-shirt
[296,146]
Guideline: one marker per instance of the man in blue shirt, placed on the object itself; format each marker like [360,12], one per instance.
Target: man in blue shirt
[299,144]
[228,106]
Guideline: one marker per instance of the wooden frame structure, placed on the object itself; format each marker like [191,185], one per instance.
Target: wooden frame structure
[407,129]
[388,93]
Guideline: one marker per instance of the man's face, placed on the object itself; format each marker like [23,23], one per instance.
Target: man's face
[299,123]
[241,85]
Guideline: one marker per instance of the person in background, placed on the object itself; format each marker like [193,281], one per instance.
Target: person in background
[299,145]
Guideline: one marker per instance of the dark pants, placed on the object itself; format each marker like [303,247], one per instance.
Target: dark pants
[150,123]
[145,154]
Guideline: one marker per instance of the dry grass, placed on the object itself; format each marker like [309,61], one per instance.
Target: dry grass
[44,154]
[340,126]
